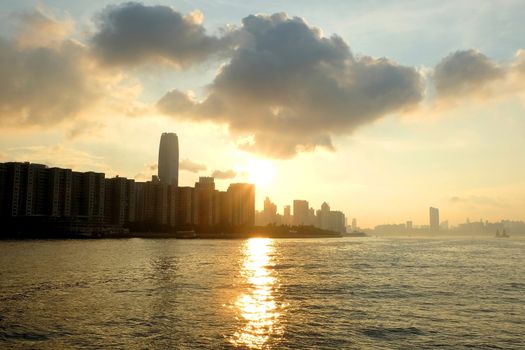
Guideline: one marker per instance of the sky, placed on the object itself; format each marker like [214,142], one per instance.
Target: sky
[380,108]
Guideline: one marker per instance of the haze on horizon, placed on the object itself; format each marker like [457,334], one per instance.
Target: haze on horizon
[382,111]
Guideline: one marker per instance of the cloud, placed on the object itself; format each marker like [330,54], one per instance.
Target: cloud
[519,63]
[60,155]
[41,85]
[224,174]
[291,89]
[38,29]
[47,78]
[478,201]
[85,128]
[132,33]
[191,166]
[464,73]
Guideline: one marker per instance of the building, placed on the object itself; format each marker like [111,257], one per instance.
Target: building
[151,202]
[324,216]
[269,213]
[224,205]
[337,222]
[287,216]
[301,212]
[434,219]
[409,225]
[168,167]
[36,199]
[184,206]
[354,224]
[242,196]
[87,197]
[204,202]
[119,201]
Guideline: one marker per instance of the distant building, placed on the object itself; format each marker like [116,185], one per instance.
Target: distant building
[168,166]
[269,213]
[354,224]
[301,212]
[434,219]
[409,225]
[287,215]
[242,196]
[324,216]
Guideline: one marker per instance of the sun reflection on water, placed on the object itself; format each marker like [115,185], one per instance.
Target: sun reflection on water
[257,306]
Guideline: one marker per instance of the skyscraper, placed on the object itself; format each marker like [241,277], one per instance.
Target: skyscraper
[300,212]
[169,159]
[434,219]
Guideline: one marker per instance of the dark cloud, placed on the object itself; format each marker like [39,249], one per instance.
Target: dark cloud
[291,89]
[464,73]
[191,166]
[224,174]
[132,33]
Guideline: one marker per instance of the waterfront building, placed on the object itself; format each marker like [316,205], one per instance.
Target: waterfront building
[119,201]
[151,202]
[242,196]
[203,203]
[184,205]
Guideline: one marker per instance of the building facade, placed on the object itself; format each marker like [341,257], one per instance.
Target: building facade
[168,166]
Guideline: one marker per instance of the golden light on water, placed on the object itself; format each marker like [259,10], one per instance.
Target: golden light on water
[257,306]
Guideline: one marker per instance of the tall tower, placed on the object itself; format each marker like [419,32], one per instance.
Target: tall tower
[169,159]
[434,219]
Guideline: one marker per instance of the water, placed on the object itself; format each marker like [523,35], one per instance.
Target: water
[350,293]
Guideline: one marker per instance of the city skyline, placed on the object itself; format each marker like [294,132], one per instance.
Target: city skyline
[83,90]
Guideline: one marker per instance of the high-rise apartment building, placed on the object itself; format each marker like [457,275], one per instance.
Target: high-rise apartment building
[204,201]
[119,201]
[169,159]
[242,196]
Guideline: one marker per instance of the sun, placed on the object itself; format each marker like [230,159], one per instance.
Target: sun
[260,172]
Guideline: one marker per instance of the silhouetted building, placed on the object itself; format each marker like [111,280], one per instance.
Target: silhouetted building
[119,201]
[434,219]
[204,201]
[409,225]
[34,190]
[184,205]
[300,212]
[242,196]
[151,202]
[225,214]
[87,196]
[169,159]
[354,224]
